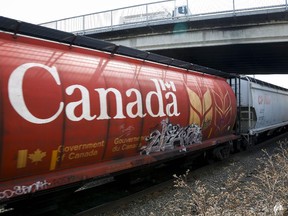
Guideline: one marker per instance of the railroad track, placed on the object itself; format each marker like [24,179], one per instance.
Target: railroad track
[118,204]
[117,194]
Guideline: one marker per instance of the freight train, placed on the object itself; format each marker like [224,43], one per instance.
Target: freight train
[75,109]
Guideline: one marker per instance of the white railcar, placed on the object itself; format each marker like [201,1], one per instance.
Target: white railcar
[263,107]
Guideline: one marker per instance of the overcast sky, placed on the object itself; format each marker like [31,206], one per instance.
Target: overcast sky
[40,11]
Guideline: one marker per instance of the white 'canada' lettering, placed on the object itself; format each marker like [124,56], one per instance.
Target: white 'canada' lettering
[16,97]
[133,109]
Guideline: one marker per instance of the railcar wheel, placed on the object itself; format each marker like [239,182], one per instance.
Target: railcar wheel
[219,153]
[222,152]
[237,146]
[249,144]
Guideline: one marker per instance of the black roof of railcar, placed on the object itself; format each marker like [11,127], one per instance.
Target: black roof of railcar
[263,83]
[19,27]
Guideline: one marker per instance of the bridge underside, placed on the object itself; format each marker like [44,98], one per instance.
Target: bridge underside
[250,44]
[266,58]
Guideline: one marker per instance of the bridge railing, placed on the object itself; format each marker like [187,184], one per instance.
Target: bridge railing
[162,11]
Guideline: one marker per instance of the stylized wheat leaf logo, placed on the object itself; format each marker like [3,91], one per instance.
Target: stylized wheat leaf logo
[200,108]
[223,109]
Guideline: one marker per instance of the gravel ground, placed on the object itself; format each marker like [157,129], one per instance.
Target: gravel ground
[215,175]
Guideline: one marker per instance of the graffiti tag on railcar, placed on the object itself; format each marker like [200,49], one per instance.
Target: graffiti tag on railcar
[172,136]
[24,189]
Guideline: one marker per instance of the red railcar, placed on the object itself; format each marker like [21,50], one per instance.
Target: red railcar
[71,113]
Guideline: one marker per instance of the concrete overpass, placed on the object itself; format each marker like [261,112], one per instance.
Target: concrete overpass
[245,41]
[250,44]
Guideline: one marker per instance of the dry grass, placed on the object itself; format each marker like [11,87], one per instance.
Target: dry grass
[265,193]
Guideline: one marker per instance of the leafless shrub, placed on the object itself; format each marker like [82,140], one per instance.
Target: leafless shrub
[263,193]
[270,185]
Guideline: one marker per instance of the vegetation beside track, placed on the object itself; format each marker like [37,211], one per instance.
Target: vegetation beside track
[264,191]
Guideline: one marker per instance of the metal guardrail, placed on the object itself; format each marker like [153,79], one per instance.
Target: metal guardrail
[163,12]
